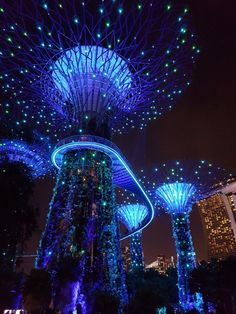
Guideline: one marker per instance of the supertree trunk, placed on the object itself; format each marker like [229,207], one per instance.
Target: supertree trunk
[136,252]
[82,223]
[185,256]
[122,290]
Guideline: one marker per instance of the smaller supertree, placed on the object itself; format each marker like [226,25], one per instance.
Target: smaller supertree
[30,156]
[132,216]
[176,188]
[20,164]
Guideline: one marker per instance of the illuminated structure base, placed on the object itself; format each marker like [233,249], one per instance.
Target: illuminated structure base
[82,225]
[82,222]
[136,252]
[122,174]
[185,259]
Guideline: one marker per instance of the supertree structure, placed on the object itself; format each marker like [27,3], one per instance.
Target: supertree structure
[91,68]
[176,187]
[100,65]
[30,155]
[30,162]
[132,216]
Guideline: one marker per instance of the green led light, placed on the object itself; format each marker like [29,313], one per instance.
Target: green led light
[76,20]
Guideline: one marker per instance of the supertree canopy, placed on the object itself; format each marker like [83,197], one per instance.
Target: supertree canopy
[92,80]
[176,187]
[132,216]
[96,63]
[91,68]
[31,156]
[20,164]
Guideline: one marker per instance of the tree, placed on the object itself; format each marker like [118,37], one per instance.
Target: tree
[37,291]
[105,303]
[11,284]
[217,282]
[67,284]
[150,290]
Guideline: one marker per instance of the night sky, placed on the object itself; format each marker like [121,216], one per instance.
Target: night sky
[201,126]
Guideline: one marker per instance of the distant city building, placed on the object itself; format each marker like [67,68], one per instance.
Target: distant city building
[15,312]
[162,263]
[218,214]
[126,257]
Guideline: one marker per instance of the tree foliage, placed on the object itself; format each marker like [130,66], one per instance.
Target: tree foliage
[105,303]
[150,290]
[11,284]
[217,282]
[37,291]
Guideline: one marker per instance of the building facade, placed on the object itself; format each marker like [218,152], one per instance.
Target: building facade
[162,264]
[126,258]
[218,214]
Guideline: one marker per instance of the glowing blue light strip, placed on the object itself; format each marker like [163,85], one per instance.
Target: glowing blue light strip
[106,149]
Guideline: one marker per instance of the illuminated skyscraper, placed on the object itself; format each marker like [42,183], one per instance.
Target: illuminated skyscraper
[218,214]
[162,264]
[126,257]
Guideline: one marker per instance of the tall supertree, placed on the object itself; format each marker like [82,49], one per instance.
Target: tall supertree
[91,68]
[132,216]
[176,187]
